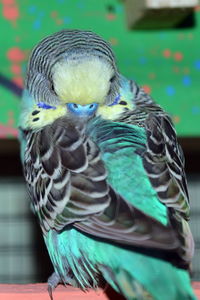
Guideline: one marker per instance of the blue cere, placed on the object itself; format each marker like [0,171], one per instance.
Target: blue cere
[82,110]
[45,106]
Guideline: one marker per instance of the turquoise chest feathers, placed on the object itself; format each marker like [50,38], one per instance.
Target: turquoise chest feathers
[112,136]
[122,146]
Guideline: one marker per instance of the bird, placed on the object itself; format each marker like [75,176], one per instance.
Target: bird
[104,172]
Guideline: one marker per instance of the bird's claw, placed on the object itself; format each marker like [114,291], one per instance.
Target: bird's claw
[53,281]
[50,291]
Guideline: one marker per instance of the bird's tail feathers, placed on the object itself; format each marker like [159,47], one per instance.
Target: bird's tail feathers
[125,284]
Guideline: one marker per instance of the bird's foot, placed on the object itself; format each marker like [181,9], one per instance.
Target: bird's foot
[53,281]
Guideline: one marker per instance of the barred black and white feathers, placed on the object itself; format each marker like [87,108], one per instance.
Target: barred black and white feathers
[67,182]
[164,162]
[74,45]
[163,159]
[65,176]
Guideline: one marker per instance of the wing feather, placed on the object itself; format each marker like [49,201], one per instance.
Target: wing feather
[67,182]
[164,165]
[164,162]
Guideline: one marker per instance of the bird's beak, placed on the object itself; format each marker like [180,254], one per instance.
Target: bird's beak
[82,110]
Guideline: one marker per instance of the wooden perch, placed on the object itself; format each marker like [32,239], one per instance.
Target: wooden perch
[39,292]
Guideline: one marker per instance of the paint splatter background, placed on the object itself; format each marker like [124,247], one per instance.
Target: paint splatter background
[166,63]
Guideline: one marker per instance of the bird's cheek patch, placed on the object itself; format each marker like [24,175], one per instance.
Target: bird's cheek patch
[110,112]
[34,118]
[41,117]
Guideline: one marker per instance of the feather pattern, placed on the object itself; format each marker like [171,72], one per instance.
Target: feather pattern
[67,181]
[163,161]
[65,184]
[75,44]
[109,190]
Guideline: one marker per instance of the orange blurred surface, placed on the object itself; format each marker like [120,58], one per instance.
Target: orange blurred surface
[39,291]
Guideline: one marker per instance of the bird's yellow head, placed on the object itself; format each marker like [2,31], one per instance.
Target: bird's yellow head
[83,81]
[84,85]
[81,87]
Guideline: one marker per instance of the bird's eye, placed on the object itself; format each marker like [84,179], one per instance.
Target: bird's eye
[53,89]
[112,78]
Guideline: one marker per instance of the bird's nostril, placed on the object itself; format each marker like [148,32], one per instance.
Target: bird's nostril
[75,105]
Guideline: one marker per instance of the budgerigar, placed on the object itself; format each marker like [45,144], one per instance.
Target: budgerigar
[105,173]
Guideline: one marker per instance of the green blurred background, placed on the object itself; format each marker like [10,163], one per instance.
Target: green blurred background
[165,62]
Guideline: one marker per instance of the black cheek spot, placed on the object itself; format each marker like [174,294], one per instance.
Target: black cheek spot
[35,119]
[35,112]
[123,102]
